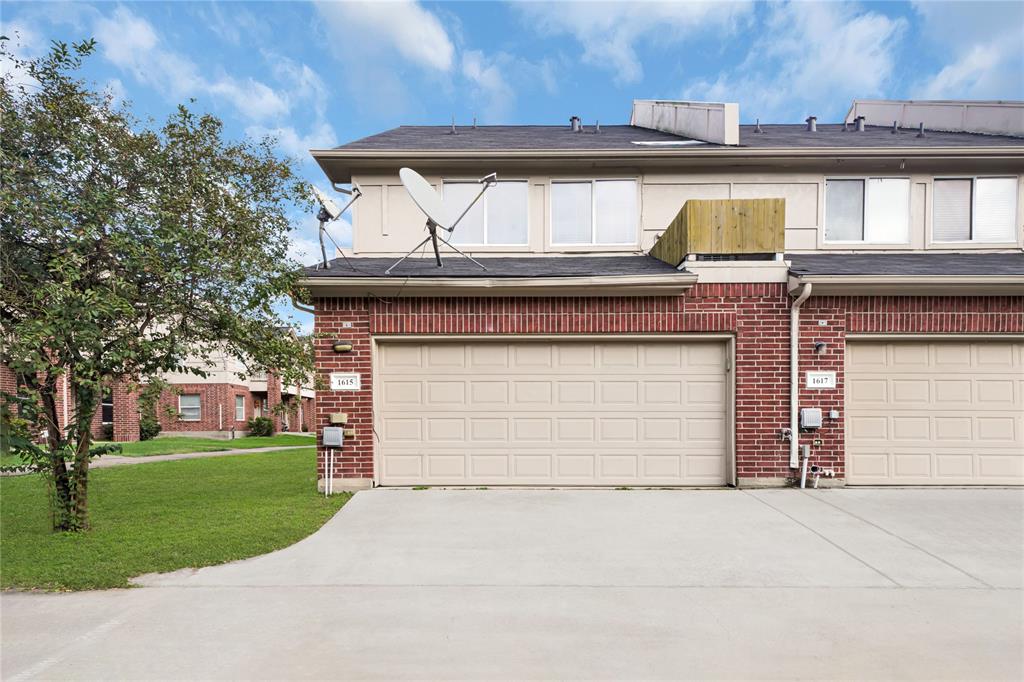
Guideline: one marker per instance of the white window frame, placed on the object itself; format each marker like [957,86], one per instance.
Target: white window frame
[867,198]
[593,214]
[974,198]
[483,199]
[237,407]
[181,413]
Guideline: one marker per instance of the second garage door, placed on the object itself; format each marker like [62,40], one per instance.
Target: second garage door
[935,412]
[552,413]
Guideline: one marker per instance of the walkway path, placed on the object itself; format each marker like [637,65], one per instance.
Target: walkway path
[118,460]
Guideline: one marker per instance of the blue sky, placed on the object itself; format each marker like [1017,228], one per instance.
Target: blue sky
[319,74]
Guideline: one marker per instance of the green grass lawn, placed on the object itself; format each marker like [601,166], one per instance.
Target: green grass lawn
[161,517]
[176,444]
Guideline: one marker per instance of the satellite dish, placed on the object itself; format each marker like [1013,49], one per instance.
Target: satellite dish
[439,214]
[326,203]
[329,211]
[425,197]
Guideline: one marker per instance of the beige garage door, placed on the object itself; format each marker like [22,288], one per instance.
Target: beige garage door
[935,412]
[552,413]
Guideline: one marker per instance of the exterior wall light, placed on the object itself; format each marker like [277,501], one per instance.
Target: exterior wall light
[820,347]
[342,346]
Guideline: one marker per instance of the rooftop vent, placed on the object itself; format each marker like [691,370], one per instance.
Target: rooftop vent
[812,124]
[574,123]
[920,129]
[859,122]
[895,127]
[757,126]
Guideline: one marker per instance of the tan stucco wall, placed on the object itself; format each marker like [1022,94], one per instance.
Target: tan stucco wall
[386,222]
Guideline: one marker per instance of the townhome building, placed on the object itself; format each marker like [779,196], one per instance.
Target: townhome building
[682,301]
[218,405]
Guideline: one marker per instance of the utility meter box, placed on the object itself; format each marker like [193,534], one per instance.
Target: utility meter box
[334,436]
[810,418]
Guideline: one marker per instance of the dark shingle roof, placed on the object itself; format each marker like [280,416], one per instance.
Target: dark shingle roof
[907,264]
[623,137]
[439,138]
[509,267]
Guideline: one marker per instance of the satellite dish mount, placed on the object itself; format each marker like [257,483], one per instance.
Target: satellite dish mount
[329,212]
[439,215]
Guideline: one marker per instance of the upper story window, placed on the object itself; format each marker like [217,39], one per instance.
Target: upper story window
[189,407]
[870,210]
[500,217]
[596,212]
[974,209]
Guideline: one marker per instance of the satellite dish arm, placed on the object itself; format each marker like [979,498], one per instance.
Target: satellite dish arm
[487,181]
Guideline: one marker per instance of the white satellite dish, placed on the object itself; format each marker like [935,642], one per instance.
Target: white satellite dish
[439,214]
[326,203]
[425,197]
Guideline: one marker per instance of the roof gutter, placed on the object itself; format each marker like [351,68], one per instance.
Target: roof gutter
[911,285]
[672,284]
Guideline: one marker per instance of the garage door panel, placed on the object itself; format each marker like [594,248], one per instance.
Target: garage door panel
[935,412]
[553,413]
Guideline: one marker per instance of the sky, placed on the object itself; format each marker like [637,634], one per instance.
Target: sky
[319,74]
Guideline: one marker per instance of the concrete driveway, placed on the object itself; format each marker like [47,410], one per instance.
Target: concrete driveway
[779,584]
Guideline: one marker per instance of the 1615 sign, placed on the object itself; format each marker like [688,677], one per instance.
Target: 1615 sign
[341,381]
[821,380]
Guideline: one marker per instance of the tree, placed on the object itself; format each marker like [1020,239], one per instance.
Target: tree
[126,249]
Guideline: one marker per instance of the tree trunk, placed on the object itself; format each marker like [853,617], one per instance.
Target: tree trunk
[62,500]
[85,406]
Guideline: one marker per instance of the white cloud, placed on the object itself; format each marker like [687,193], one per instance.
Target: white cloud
[811,58]
[131,43]
[402,26]
[487,79]
[609,31]
[293,143]
[982,41]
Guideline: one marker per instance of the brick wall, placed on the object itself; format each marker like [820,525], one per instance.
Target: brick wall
[756,314]
[217,403]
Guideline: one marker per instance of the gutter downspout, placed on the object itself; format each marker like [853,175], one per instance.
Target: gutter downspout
[794,375]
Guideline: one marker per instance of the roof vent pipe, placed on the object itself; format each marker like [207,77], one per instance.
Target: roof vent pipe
[453,131]
[859,121]
[846,127]
[895,127]
[920,129]
[574,123]
[597,126]
[812,124]
[757,126]
[474,123]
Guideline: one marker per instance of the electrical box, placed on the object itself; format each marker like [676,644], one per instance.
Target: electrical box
[810,418]
[333,436]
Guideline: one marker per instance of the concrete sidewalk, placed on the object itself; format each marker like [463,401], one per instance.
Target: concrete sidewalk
[118,460]
[493,584]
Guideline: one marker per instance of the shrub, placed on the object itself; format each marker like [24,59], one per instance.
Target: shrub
[261,426]
[305,428]
[149,427]
[108,432]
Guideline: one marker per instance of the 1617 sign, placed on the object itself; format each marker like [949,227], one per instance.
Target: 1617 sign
[341,381]
[821,380]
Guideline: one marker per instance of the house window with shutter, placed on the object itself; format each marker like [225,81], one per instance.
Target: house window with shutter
[974,210]
[867,210]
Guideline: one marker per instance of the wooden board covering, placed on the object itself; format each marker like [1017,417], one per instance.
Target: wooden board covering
[723,226]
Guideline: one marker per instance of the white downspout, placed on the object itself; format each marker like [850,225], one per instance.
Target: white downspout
[794,376]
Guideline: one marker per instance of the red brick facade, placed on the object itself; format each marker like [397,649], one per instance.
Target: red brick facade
[756,315]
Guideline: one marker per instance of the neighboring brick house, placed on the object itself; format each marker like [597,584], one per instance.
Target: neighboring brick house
[218,405]
[647,298]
